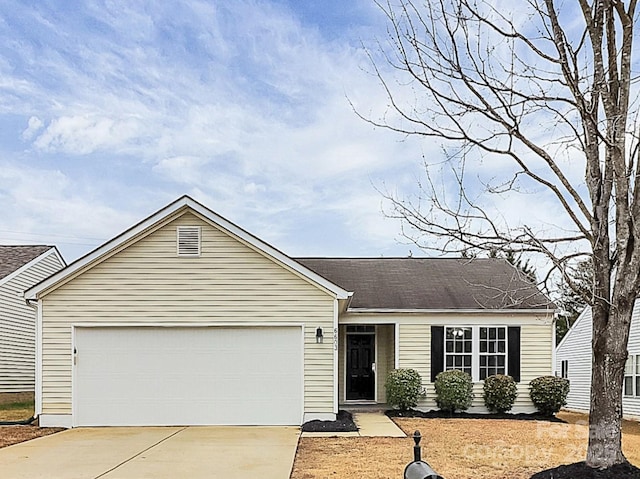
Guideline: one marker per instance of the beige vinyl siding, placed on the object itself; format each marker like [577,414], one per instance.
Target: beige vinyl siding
[415,353]
[385,359]
[536,359]
[147,282]
[536,348]
[17,325]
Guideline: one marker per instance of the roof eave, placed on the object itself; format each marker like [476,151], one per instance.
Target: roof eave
[449,311]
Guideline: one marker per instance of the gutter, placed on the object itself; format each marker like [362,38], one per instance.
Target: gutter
[449,311]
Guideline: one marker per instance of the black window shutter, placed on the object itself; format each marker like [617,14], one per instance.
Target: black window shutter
[513,335]
[437,351]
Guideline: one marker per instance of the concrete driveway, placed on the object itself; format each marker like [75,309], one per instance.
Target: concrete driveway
[155,452]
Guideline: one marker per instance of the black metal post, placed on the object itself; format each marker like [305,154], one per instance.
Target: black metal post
[416,449]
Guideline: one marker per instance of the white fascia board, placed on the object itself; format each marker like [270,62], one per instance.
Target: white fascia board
[31,263]
[577,322]
[184,203]
[60,258]
[268,250]
[449,311]
[107,247]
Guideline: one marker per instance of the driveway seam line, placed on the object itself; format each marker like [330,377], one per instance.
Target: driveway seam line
[140,453]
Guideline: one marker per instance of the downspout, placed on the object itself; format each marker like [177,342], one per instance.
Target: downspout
[25,422]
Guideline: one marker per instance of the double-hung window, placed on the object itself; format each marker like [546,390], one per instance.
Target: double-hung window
[632,376]
[480,351]
[459,349]
[493,351]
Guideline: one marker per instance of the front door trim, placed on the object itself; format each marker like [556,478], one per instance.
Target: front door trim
[375,361]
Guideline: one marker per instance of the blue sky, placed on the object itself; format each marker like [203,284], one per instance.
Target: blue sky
[110,110]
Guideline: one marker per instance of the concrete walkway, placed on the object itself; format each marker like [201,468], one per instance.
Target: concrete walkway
[154,452]
[370,424]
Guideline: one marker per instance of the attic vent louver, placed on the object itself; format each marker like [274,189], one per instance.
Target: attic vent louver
[188,240]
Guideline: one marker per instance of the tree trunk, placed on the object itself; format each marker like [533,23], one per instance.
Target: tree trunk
[610,332]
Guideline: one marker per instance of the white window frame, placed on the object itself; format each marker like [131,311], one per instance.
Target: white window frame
[460,330]
[637,371]
[495,353]
[632,373]
[475,348]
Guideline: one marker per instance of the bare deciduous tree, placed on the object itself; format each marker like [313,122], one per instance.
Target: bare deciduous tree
[551,92]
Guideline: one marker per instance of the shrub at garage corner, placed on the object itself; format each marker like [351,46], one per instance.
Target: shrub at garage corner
[499,392]
[549,394]
[454,390]
[404,388]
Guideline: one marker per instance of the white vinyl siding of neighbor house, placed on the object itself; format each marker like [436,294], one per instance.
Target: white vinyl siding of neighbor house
[576,349]
[18,323]
[536,349]
[146,282]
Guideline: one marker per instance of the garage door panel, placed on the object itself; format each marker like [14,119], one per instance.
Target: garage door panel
[170,376]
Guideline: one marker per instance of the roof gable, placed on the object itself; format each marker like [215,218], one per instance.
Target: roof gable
[159,219]
[12,258]
[406,284]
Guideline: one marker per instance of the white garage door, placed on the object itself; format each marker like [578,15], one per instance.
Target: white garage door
[187,376]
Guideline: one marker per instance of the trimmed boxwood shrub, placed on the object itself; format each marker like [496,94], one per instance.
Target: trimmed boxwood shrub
[549,394]
[454,390]
[499,392]
[404,388]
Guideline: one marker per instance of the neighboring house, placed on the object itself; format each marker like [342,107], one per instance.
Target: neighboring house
[573,361]
[188,319]
[20,268]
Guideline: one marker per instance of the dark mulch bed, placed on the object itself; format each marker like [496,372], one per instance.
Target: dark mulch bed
[343,423]
[437,414]
[580,470]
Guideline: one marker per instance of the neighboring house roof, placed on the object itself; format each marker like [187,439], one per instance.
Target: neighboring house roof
[13,258]
[174,209]
[431,283]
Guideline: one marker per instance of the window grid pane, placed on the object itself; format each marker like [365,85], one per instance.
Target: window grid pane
[628,366]
[458,349]
[629,380]
[628,386]
[493,348]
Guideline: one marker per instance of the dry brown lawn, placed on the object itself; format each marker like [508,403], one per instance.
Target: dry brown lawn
[458,449]
[18,407]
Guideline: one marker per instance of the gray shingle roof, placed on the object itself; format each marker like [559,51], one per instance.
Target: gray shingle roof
[430,283]
[14,257]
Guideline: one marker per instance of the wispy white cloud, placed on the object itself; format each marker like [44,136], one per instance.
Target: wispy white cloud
[123,107]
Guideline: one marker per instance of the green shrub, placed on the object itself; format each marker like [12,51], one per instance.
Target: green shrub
[499,392]
[404,388]
[549,394]
[454,390]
